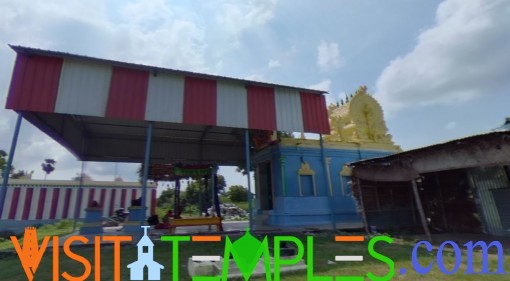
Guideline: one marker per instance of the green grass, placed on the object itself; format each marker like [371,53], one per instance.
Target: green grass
[324,249]
[60,228]
[243,205]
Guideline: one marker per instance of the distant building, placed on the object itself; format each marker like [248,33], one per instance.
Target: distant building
[145,259]
[32,202]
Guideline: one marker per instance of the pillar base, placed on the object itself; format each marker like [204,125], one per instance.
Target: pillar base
[93,221]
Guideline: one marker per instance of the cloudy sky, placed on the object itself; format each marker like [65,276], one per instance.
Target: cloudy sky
[440,69]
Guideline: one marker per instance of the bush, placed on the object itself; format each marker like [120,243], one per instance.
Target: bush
[238,193]
[65,224]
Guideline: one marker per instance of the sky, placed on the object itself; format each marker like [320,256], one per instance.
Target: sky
[440,69]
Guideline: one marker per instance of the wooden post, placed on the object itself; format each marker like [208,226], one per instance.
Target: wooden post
[413,209]
[363,214]
[441,200]
[420,210]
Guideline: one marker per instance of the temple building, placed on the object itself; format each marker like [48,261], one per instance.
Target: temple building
[305,182]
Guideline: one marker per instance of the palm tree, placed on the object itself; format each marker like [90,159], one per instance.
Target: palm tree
[48,166]
[3,164]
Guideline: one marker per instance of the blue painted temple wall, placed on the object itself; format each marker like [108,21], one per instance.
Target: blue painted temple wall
[309,209]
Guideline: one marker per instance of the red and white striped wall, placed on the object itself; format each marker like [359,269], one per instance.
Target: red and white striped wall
[68,84]
[55,200]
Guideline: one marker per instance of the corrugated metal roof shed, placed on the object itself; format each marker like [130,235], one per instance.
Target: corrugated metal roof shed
[99,108]
[479,150]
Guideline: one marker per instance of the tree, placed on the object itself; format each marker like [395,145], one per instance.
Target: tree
[197,193]
[48,166]
[221,183]
[237,193]
[21,173]
[3,162]
[85,176]
[139,172]
[166,199]
[191,196]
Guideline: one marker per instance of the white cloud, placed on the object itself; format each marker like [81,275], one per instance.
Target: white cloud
[324,85]
[184,39]
[5,121]
[33,147]
[238,16]
[329,56]
[154,32]
[142,31]
[462,57]
[273,63]
[155,13]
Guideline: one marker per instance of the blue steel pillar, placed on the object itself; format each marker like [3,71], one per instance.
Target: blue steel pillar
[10,157]
[177,198]
[212,192]
[77,206]
[146,163]
[248,162]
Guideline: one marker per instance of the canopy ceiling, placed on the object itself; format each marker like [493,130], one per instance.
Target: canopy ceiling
[99,109]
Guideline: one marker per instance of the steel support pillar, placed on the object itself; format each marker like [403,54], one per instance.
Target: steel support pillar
[248,165]
[10,157]
[146,163]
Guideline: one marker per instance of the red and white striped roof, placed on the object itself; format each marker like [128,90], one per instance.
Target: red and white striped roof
[54,82]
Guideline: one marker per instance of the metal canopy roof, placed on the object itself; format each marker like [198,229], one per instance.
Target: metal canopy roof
[99,109]
[480,150]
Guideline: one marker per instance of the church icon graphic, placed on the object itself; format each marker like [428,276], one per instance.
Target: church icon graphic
[145,259]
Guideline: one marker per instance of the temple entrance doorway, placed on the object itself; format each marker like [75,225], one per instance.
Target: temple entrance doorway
[265,186]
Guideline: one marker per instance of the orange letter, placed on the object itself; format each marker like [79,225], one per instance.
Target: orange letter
[30,255]
[78,258]
[55,258]
[116,253]
[97,258]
